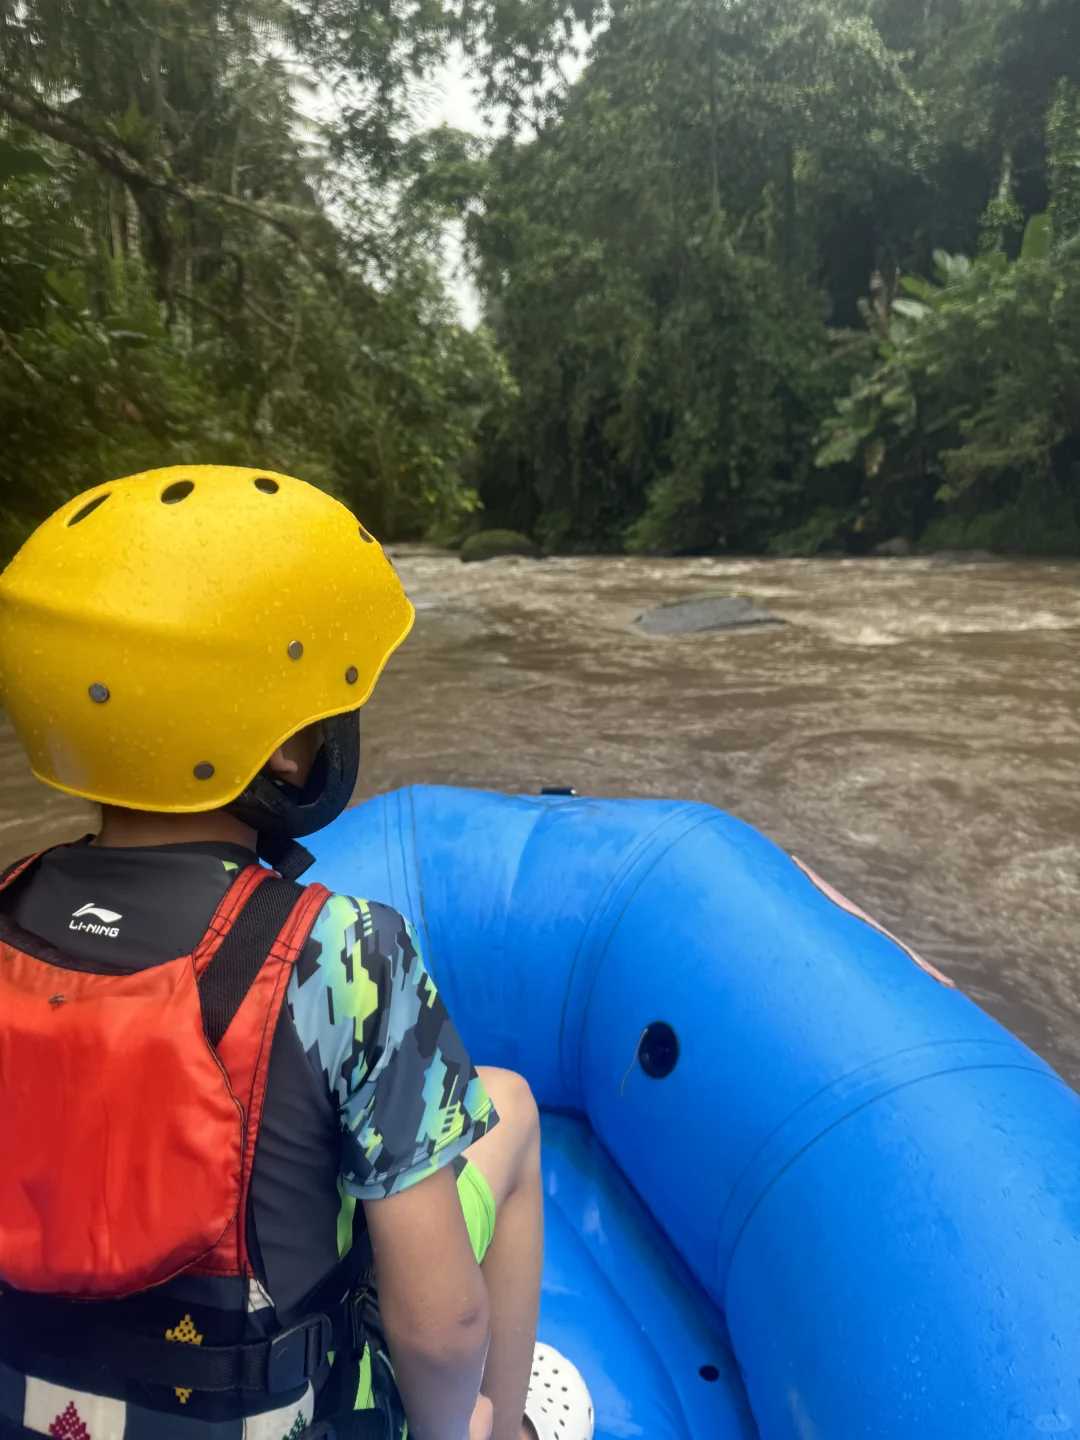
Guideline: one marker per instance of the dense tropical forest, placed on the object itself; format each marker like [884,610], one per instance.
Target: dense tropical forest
[787,275]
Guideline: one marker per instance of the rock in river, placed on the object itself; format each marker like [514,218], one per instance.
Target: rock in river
[898,549]
[490,544]
[705,612]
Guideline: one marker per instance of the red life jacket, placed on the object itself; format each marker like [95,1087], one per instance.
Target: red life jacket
[130,1107]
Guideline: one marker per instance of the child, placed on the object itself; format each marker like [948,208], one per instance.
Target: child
[189,648]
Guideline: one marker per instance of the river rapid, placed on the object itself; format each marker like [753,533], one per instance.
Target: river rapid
[912,731]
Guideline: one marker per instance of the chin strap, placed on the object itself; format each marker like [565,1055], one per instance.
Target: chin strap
[287,856]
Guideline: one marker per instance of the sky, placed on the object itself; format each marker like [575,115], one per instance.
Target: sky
[451,103]
[451,100]
[447,99]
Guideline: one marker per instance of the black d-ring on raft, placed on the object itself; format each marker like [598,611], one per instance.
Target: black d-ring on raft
[658,1050]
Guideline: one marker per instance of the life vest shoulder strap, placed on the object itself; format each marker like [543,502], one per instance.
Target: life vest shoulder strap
[228,975]
[18,869]
[242,967]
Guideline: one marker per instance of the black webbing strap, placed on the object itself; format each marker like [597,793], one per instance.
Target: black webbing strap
[241,955]
[360,1425]
[284,1362]
[288,857]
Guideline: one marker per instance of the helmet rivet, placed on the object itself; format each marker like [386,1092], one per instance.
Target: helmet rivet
[352,674]
[99,694]
[296,649]
[204,770]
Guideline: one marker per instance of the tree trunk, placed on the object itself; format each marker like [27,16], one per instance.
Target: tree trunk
[714,120]
[790,215]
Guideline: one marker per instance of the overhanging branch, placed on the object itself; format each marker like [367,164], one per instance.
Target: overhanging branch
[46,120]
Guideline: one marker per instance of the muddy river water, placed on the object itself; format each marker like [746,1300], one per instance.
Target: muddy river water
[912,731]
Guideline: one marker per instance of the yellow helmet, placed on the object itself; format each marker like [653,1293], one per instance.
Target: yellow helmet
[162,635]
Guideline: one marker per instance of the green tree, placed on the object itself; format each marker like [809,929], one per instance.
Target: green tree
[674,265]
[190,267]
[651,266]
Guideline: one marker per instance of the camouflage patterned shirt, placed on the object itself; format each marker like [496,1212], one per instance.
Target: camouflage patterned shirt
[377,1035]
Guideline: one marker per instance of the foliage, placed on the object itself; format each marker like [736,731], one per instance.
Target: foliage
[1042,520]
[190,267]
[970,392]
[975,380]
[674,269]
[651,270]
[826,529]
[726,296]
[1063,147]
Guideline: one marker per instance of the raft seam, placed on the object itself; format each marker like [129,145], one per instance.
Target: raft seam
[639,853]
[848,1075]
[1045,1074]
[609,1285]
[421,908]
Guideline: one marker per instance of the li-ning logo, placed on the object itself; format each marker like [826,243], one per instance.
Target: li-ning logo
[107,919]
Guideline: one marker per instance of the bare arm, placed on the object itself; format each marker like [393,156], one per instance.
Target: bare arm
[433,1304]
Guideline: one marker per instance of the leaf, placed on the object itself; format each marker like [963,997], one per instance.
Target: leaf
[911,309]
[951,268]
[840,449]
[17,160]
[1038,237]
[67,286]
[920,288]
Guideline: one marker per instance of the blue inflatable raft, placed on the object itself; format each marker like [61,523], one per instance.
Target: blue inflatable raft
[796,1187]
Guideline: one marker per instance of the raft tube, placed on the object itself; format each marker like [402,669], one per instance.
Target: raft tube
[796,1187]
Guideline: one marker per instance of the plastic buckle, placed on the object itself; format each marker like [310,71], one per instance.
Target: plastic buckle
[298,1353]
[354,1306]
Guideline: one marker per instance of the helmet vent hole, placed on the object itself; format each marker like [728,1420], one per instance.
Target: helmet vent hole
[266,485]
[88,509]
[366,535]
[204,771]
[177,491]
[352,675]
[296,649]
[709,1373]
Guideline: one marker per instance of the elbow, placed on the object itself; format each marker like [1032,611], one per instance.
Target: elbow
[451,1336]
[468,1334]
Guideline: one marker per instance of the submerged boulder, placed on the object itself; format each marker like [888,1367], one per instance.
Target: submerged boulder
[702,613]
[489,544]
[963,557]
